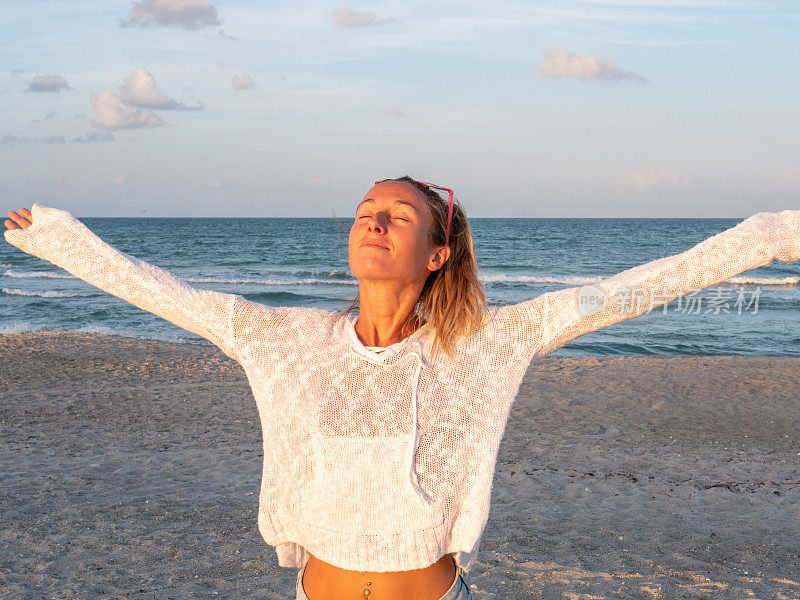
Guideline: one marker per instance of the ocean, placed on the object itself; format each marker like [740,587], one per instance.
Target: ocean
[303,262]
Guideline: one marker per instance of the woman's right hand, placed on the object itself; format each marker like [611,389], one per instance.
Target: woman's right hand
[21,220]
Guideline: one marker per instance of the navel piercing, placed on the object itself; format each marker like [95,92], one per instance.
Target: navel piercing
[366,592]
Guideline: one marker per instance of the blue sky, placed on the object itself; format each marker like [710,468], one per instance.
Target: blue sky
[633,108]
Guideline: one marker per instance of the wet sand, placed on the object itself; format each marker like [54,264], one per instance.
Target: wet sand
[131,469]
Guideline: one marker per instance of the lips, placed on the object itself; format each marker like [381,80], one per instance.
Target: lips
[373,244]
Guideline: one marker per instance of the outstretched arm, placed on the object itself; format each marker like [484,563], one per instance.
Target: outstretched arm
[548,322]
[57,237]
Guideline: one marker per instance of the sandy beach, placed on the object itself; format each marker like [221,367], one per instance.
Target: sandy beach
[131,469]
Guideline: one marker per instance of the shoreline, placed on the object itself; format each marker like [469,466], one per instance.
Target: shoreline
[132,470]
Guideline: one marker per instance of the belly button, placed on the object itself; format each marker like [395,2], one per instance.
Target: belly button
[366,592]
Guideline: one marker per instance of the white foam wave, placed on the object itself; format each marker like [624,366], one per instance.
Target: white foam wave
[150,335]
[22,327]
[306,281]
[766,280]
[578,280]
[569,280]
[45,294]
[45,274]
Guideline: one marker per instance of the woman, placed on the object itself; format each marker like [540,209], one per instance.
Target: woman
[381,433]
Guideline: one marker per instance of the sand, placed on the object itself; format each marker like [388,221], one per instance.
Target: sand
[131,469]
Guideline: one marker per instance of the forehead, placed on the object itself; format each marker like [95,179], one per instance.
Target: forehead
[395,191]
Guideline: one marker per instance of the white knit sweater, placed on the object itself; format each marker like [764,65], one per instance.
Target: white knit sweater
[383,461]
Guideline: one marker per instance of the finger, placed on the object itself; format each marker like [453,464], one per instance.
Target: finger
[21,221]
[26,213]
[10,224]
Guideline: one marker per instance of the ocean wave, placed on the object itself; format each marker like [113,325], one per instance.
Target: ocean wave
[308,281]
[578,280]
[45,294]
[335,274]
[22,327]
[44,274]
[27,327]
[766,280]
[569,280]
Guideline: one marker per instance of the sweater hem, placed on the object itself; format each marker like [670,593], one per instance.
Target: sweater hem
[399,551]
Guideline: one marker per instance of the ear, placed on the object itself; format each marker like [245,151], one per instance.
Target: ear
[439,258]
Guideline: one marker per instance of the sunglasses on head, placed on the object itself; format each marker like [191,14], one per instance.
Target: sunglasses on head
[449,207]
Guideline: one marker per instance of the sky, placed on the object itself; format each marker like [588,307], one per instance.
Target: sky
[571,108]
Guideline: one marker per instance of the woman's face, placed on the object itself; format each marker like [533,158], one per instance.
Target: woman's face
[390,238]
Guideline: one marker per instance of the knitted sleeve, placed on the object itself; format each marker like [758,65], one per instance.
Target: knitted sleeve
[548,322]
[58,237]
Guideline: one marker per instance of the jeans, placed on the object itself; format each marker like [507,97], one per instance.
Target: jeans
[458,591]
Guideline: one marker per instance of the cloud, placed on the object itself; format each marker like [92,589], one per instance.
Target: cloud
[113,114]
[395,111]
[120,180]
[48,83]
[183,14]
[128,109]
[319,183]
[95,136]
[12,140]
[51,115]
[17,72]
[559,63]
[242,82]
[344,17]
[140,90]
[645,181]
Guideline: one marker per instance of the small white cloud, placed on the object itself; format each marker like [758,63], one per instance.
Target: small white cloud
[51,115]
[344,17]
[113,114]
[214,184]
[242,82]
[95,136]
[53,139]
[394,111]
[319,183]
[183,14]
[48,83]
[644,181]
[140,90]
[120,180]
[559,63]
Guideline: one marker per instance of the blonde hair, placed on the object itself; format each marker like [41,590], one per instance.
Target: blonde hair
[452,301]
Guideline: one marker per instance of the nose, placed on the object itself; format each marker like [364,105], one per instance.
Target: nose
[378,223]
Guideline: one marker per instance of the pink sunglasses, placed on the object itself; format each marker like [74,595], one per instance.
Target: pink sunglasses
[449,207]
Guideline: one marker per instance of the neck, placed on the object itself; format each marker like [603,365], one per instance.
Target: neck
[383,311]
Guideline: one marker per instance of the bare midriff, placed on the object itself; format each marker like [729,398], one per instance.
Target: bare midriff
[323,581]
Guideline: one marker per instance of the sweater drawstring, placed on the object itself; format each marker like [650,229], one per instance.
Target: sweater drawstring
[411,449]
[412,446]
